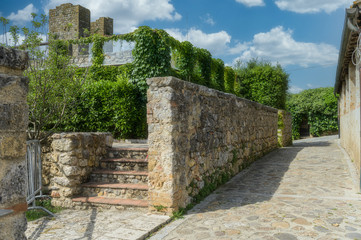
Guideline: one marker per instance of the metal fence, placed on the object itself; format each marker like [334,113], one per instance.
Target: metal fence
[34,167]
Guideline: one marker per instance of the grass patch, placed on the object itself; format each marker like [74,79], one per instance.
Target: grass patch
[34,214]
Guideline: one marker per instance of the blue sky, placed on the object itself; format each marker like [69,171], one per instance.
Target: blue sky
[302,35]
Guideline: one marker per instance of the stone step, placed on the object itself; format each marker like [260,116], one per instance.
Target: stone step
[114,176]
[128,152]
[85,202]
[124,164]
[115,190]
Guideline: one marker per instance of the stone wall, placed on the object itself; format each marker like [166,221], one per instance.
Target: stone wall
[198,136]
[284,128]
[68,161]
[69,21]
[349,116]
[13,125]
[102,26]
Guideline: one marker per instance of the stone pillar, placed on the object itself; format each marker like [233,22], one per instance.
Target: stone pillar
[284,128]
[13,125]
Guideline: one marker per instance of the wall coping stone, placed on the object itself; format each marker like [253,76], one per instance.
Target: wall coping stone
[177,83]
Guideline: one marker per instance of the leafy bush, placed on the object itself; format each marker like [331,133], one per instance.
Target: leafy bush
[105,106]
[263,83]
[217,74]
[319,106]
[229,79]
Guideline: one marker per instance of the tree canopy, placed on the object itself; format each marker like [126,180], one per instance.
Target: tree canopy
[262,82]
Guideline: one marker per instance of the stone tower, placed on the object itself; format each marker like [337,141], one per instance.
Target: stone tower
[102,26]
[69,21]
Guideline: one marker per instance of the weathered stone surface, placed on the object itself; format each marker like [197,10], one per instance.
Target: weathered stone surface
[198,135]
[13,89]
[284,128]
[68,159]
[13,124]
[13,59]
[13,117]
[12,145]
[13,227]
[12,183]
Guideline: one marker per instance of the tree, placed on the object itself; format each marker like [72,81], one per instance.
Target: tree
[318,105]
[54,82]
[262,82]
[4,22]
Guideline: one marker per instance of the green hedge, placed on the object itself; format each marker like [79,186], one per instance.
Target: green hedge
[319,106]
[105,106]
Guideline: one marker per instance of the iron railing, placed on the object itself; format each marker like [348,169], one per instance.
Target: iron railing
[34,169]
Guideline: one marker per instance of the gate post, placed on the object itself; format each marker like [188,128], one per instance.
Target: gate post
[13,125]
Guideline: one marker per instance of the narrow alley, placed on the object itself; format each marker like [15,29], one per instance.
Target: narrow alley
[305,191]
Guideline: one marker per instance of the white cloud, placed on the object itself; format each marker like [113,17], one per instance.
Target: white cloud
[251,3]
[311,6]
[295,89]
[278,46]
[208,19]
[23,15]
[239,48]
[216,43]
[127,14]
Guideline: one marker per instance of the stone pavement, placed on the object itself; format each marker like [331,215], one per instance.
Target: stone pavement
[301,192]
[95,224]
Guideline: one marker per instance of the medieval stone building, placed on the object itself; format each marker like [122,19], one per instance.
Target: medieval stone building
[347,85]
[69,21]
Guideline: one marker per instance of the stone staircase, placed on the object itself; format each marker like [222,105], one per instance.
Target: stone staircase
[121,179]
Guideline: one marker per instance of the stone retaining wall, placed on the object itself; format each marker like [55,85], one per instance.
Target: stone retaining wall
[284,128]
[68,161]
[13,125]
[199,136]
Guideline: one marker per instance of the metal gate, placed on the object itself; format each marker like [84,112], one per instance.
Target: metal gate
[34,167]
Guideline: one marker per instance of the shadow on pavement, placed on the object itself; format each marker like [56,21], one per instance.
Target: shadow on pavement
[36,234]
[261,180]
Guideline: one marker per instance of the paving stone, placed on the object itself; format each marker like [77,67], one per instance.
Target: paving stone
[354,236]
[285,236]
[284,195]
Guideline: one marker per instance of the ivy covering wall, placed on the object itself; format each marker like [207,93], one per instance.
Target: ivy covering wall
[113,98]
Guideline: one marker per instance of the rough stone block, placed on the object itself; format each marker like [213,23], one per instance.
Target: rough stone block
[12,58]
[13,183]
[71,171]
[13,227]
[13,117]
[66,159]
[12,146]
[13,89]
[63,181]
[64,144]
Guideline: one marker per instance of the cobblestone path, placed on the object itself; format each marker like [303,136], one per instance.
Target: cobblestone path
[301,192]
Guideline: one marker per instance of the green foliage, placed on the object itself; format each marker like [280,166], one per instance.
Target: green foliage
[217,75]
[34,214]
[151,56]
[14,32]
[53,86]
[263,83]
[185,59]
[159,208]
[318,105]
[229,79]
[204,66]
[106,106]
